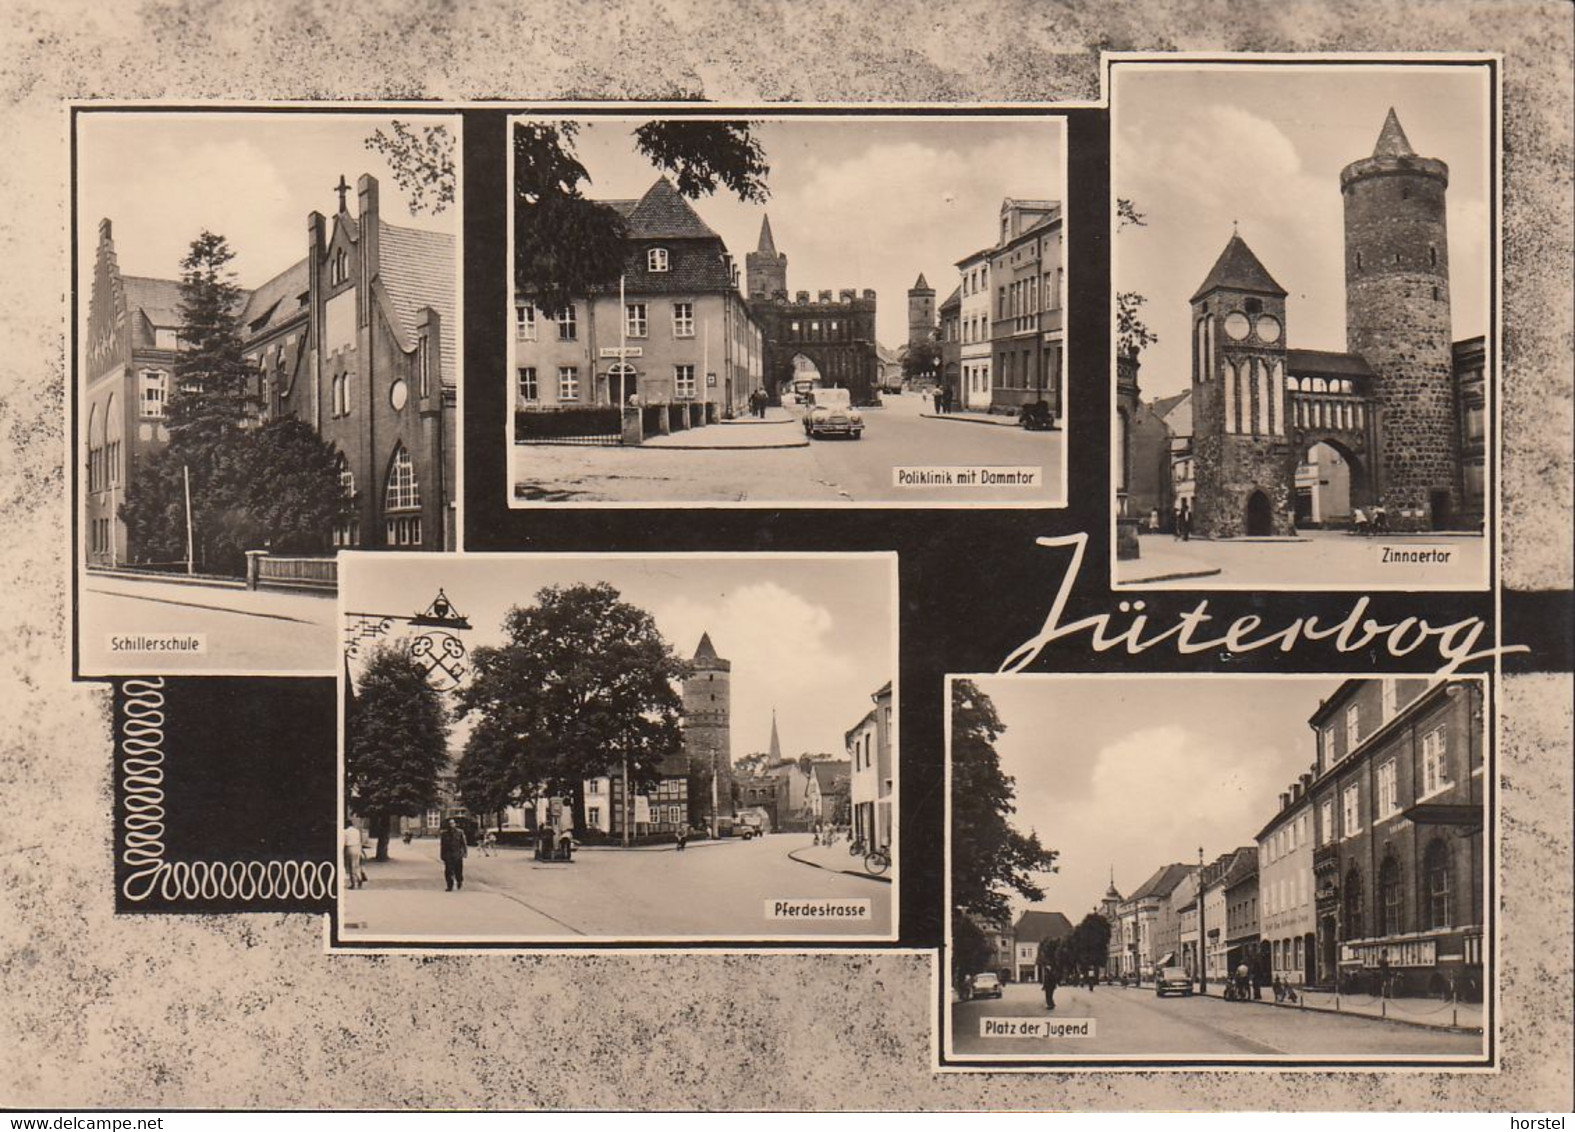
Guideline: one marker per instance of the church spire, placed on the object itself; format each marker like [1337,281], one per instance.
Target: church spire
[1392,141]
[776,743]
[767,244]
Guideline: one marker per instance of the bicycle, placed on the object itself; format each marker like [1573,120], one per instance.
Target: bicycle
[877,861]
[857,848]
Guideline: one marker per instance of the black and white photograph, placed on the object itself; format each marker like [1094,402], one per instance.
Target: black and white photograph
[575,750]
[268,329]
[1219,869]
[1302,262]
[805,311]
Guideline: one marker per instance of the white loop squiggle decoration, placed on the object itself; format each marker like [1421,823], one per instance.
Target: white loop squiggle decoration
[142,767]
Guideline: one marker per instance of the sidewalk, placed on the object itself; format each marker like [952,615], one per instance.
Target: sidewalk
[408,889]
[779,429]
[1156,562]
[311,607]
[999,419]
[1429,1012]
[837,859]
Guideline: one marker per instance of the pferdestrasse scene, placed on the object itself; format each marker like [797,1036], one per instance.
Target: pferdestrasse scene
[806,311]
[1304,374]
[604,748]
[1183,868]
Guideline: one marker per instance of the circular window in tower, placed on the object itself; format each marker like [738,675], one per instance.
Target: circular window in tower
[398,393]
[1236,325]
[1269,328]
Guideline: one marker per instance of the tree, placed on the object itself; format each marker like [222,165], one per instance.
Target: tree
[972,951]
[1132,334]
[583,688]
[1090,942]
[252,485]
[423,163]
[752,765]
[921,360]
[990,859]
[396,742]
[566,244]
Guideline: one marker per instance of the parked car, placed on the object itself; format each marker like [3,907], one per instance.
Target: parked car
[987,984]
[1172,980]
[831,412]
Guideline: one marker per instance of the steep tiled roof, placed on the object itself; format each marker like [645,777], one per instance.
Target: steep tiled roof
[1392,141]
[662,214]
[1326,362]
[1239,270]
[158,299]
[954,299]
[706,651]
[417,270]
[1166,878]
[276,301]
[1033,927]
[827,772]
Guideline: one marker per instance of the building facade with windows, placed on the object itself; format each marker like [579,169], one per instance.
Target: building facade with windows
[678,333]
[1027,328]
[1285,890]
[1401,809]
[870,752]
[974,330]
[358,339]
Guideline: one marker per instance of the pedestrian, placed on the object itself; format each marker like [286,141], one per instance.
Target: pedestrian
[452,849]
[1175,524]
[1380,518]
[1049,980]
[1185,522]
[1359,521]
[488,841]
[1093,977]
[407,837]
[936,397]
[683,838]
[352,843]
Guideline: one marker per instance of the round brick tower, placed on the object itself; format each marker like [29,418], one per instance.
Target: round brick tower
[1397,318]
[708,729]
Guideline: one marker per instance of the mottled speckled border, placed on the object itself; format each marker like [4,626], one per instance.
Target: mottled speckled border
[135,1011]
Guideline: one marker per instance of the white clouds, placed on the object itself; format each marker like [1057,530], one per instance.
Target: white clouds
[786,654]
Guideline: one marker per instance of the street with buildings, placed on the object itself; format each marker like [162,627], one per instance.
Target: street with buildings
[712,890]
[697,374]
[771,460]
[1363,892]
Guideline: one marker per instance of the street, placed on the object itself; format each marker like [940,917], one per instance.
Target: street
[1132,1020]
[712,891]
[826,470]
[243,632]
[1314,560]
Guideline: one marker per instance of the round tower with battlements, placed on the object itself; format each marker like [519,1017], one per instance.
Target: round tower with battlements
[1397,319]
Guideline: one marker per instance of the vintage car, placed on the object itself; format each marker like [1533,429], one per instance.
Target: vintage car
[1172,980]
[986,984]
[830,412]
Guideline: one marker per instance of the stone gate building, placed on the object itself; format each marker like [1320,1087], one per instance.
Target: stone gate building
[1403,406]
[837,335]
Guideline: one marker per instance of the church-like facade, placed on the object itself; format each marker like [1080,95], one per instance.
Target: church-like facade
[358,339]
[1404,406]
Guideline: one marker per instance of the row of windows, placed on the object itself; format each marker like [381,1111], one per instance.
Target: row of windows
[1435,777]
[1027,297]
[1326,414]
[528,384]
[636,321]
[1435,910]
[976,280]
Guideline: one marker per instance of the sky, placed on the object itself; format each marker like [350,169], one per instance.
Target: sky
[862,203]
[809,637]
[1133,774]
[252,178]
[1197,148]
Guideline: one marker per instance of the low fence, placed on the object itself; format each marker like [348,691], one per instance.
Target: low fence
[275,572]
[583,425]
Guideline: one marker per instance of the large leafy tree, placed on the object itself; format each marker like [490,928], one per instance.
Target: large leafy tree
[1089,945]
[990,859]
[422,160]
[583,687]
[971,950]
[566,244]
[396,741]
[1132,334]
[252,486]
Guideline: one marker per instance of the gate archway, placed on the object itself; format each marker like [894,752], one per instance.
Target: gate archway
[1260,515]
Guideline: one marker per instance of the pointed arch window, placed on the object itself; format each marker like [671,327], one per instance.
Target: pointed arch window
[402,494]
[339,269]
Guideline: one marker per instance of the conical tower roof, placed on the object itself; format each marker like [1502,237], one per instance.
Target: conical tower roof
[1392,141]
[767,246]
[921,285]
[705,651]
[1237,269]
